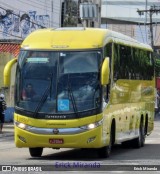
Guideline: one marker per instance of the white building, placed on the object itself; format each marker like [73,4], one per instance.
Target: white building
[126,10]
[122,16]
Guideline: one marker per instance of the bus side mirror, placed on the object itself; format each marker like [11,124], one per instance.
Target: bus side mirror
[7,72]
[105,70]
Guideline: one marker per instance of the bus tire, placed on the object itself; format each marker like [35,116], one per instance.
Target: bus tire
[126,144]
[140,141]
[36,152]
[104,152]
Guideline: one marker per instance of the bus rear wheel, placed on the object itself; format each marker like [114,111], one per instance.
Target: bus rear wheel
[36,152]
[139,142]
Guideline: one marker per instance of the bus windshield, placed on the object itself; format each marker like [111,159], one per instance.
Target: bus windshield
[58,82]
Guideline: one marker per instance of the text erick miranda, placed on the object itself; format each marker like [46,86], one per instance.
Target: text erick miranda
[77,165]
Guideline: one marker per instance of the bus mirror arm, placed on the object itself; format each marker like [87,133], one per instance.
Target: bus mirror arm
[7,72]
[105,70]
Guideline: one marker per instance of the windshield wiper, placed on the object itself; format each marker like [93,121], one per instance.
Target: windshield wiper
[44,96]
[72,98]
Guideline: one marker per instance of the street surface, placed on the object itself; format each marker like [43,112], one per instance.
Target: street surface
[63,159]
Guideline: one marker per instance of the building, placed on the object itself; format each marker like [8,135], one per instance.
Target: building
[123,16]
[18,18]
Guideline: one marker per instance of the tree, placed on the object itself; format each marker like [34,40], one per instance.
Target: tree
[71,15]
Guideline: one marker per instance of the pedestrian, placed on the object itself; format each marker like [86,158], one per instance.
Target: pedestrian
[3,107]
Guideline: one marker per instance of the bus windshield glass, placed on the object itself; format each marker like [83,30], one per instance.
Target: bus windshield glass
[58,82]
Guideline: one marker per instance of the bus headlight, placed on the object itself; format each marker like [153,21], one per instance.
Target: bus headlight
[92,125]
[21,125]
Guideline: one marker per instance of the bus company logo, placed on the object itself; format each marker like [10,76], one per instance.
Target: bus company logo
[55,131]
[56,116]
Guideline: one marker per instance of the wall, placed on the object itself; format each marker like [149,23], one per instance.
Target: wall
[21,17]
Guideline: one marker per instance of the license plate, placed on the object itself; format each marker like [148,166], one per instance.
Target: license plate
[56,141]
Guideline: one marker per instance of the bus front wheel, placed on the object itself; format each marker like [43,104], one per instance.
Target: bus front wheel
[36,152]
[105,151]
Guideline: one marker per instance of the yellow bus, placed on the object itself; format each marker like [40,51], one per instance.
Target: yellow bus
[93,88]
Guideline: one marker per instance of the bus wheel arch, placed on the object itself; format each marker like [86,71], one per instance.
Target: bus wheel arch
[142,131]
[105,151]
[146,125]
[113,131]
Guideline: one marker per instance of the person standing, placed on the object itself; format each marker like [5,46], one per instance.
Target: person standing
[3,107]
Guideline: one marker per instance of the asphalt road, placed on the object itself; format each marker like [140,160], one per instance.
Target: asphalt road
[122,160]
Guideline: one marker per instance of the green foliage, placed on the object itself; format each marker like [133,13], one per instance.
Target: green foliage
[71,15]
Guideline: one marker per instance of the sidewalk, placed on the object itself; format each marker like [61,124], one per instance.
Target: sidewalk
[8,130]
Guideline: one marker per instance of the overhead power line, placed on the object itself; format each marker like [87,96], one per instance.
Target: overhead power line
[33,4]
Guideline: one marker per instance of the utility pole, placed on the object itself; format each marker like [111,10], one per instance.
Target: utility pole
[52,14]
[151,29]
[151,11]
[99,13]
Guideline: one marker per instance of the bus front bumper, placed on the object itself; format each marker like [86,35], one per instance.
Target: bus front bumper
[87,139]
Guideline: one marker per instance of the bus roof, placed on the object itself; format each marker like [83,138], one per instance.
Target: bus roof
[77,38]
